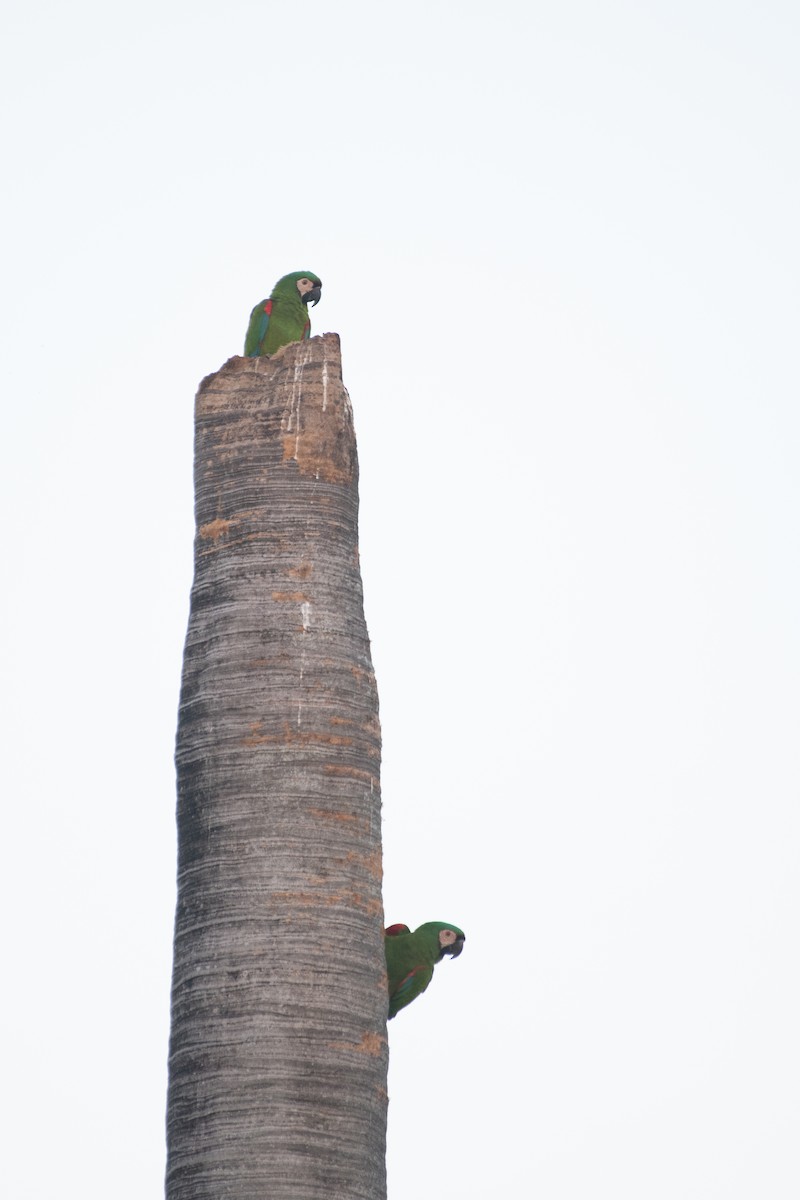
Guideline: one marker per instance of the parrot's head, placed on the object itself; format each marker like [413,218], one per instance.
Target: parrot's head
[449,938]
[307,286]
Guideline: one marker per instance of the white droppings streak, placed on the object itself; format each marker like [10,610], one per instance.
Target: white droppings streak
[324,385]
[294,399]
[305,616]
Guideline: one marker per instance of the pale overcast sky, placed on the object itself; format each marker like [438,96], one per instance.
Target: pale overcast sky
[560,245]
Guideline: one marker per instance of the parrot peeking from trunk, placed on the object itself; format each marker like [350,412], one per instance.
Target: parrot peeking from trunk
[411,957]
[283,318]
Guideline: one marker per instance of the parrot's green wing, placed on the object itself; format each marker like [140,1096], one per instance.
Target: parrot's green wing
[257,329]
[409,988]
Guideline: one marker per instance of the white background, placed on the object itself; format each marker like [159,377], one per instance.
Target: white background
[560,245]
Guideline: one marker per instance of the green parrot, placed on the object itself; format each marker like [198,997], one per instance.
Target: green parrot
[411,957]
[283,318]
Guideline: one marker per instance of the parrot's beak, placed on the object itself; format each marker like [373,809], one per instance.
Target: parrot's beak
[314,295]
[456,948]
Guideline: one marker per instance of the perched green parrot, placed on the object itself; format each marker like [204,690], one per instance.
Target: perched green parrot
[411,957]
[283,318]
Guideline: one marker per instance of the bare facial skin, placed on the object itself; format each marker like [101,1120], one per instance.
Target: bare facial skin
[448,939]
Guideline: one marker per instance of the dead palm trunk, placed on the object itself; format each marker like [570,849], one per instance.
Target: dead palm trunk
[278,1058]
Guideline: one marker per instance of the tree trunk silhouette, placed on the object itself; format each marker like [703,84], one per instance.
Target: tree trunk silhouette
[278,1055]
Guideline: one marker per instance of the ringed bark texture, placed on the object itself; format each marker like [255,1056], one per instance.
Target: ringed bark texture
[278,1055]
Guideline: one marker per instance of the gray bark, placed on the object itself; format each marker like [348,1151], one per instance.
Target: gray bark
[278,1054]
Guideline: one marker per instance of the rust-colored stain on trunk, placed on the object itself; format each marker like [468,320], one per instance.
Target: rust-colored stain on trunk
[372,863]
[371,1043]
[289,736]
[314,457]
[213,530]
[325,814]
